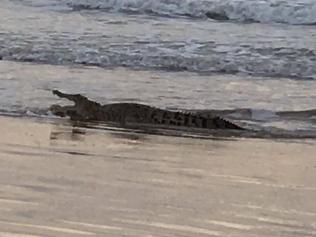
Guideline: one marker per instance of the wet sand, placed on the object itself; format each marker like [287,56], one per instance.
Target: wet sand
[58,180]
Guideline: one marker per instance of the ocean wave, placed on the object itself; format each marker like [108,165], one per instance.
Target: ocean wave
[201,57]
[264,11]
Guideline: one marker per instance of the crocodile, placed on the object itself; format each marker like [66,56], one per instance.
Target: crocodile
[122,113]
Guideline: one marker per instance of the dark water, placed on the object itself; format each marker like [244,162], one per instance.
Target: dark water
[258,60]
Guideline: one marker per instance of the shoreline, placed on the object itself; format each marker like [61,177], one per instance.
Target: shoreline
[273,134]
[59,180]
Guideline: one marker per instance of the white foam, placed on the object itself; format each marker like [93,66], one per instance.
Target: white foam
[289,12]
[187,56]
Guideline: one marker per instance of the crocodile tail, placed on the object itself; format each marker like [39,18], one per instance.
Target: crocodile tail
[212,123]
[198,121]
[221,123]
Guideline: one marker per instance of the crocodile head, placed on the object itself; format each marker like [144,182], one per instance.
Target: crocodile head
[83,109]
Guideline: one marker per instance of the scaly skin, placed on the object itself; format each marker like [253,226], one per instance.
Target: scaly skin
[87,110]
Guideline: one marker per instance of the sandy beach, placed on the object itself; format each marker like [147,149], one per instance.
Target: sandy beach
[58,180]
